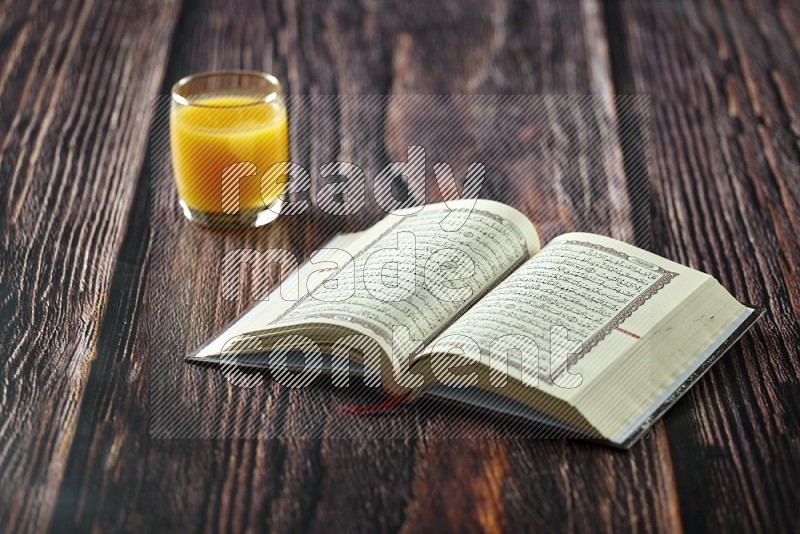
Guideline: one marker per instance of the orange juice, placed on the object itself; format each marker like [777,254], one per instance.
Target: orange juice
[214,132]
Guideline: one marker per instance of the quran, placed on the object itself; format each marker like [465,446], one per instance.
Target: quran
[460,301]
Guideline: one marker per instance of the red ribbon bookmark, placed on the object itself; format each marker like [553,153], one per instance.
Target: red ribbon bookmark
[629,333]
[385,405]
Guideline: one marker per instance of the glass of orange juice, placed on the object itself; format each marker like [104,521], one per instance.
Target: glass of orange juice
[227,129]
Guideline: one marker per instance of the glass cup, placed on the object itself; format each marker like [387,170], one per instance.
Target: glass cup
[227,128]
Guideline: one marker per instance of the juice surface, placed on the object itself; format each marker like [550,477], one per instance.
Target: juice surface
[217,131]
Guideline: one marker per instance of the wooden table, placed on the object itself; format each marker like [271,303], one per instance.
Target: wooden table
[80,265]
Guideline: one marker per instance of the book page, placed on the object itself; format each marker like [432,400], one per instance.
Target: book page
[418,274]
[564,315]
[269,307]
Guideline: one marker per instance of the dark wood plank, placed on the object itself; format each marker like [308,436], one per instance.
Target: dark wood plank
[75,84]
[725,163]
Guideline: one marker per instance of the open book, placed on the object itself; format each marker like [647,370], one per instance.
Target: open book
[460,301]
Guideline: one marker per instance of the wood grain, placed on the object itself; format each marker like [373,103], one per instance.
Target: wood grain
[105,286]
[74,106]
[725,167]
[328,482]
